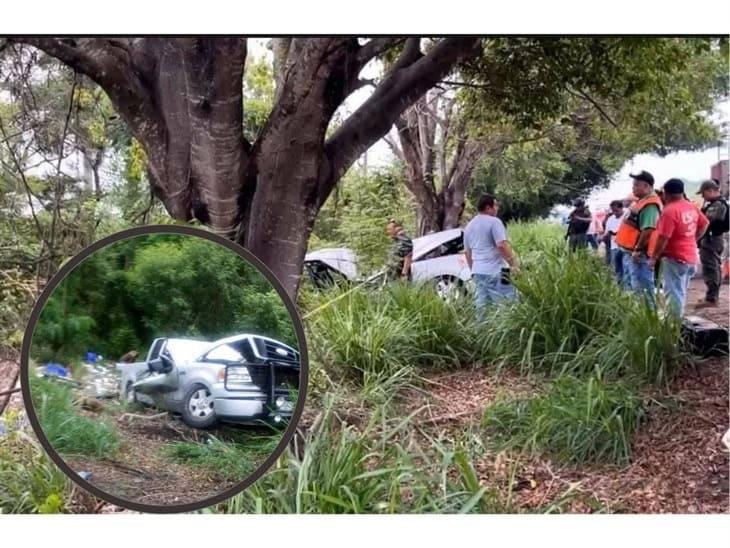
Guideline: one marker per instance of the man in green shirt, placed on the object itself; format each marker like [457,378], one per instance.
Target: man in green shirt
[635,232]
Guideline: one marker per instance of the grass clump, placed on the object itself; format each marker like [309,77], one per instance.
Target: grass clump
[576,420]
[378,469]
[379,339]
[564,302]
[230,460]
[645,349]
[68,431]
[29,481]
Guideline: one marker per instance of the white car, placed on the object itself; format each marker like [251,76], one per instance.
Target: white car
[438,258]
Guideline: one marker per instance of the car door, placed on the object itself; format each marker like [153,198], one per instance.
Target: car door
[162,375]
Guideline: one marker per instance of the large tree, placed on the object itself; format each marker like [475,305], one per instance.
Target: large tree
[182,99]
[542,120]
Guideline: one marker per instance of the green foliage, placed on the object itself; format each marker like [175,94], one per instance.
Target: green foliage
[565,301]
[576,420]
[379,339]
[134,290]
[379,470]
[67,430]
[356,215]
[230,460]
[29,481]
[573,110]
[258,93]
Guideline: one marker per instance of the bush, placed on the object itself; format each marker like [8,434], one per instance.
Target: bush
[379,339]
[646,348]
[343,470]
[230,460]
[576,420]
[67,431]
[564,302]
[29,481]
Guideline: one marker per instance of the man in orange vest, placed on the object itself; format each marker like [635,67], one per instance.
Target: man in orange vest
[635,232]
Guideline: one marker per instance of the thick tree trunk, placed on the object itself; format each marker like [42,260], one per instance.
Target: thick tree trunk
[182,99]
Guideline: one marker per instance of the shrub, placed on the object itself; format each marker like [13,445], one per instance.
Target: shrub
[564,302]
[576,420]
[343,470]
[29,481]
[230,460]
[645,349]
[67,431]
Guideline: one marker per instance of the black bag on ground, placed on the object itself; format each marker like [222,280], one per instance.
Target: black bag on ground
[703,337]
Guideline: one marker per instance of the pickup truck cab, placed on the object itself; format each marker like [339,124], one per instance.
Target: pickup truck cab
[243,378]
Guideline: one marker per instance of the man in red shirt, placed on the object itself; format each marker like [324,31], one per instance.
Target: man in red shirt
[679,227]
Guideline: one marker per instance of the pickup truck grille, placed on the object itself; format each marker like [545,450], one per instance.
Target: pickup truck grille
[285,378]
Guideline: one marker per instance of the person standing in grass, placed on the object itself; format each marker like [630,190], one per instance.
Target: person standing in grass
[579,221]
[715,209]
[635,233]
[401,252]
[614,252]
[488,253]
[679,227]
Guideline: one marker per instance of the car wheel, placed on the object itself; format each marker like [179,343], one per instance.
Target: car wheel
[198,410]
[130,394]
[449,288]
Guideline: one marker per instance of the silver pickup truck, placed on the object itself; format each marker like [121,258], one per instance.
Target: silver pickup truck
[237,379]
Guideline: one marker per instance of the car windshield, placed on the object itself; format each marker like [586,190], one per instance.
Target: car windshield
[185,350]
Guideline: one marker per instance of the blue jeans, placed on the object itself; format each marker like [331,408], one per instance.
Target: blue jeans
[641,277]
[617,262]
[676,281]
[488,288]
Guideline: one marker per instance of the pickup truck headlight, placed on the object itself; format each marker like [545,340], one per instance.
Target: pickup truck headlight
[237,377]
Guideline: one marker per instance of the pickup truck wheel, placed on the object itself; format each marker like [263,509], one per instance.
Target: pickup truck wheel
[449,288]
[197,410]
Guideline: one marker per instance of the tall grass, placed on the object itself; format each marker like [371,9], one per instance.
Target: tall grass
[644,349]
[564,301]
[29,481]
[532,240]
[379,339]
[381,469]
[576,420]
[68,431]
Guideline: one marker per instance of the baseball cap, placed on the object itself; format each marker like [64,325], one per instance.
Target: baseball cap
[709,184]
[643,176]
[674,186]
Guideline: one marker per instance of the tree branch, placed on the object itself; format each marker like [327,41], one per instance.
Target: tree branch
[400,88]
[375,47]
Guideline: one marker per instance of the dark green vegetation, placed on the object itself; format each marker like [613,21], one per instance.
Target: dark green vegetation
[69,432]
[379,468]
[124,296]
[575,420]
[233,459]
[29,481]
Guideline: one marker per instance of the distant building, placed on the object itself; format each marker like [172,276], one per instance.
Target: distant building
[719,171]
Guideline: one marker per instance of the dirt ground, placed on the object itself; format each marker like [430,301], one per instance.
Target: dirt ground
[140,473]
[679,464]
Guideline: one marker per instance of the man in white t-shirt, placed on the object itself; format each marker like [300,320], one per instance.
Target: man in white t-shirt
[613,221]
[488,253]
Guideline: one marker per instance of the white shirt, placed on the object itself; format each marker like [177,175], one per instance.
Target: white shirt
[612,224]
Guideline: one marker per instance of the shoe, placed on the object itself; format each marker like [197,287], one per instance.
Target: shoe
[706,304]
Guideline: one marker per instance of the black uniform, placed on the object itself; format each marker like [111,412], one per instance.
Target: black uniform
[402,247]
[711,246]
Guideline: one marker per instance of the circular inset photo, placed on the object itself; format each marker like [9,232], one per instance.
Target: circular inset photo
[164,368]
